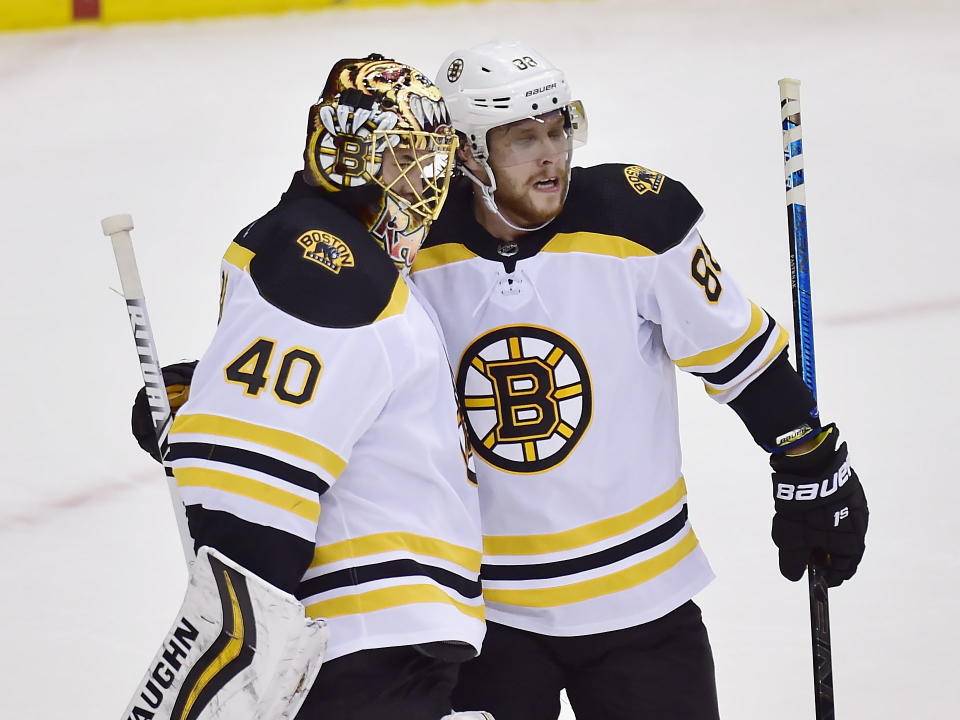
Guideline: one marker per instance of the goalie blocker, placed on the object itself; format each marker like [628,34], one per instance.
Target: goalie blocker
[240,648]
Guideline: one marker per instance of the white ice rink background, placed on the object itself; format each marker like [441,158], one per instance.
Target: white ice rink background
[195,129]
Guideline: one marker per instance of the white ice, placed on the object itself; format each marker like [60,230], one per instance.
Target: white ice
[195,128]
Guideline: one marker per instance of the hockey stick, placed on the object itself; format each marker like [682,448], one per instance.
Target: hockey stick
[118,228]
[803,333]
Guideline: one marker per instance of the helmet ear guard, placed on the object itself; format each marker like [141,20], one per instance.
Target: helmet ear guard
[577,122]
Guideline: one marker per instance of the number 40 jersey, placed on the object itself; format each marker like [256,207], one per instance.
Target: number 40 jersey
[565,346]
[320,446]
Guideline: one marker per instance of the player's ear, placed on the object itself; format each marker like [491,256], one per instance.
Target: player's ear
[465,157]
[469,162]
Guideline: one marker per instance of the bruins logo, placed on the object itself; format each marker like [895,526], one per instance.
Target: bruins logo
[326,250]
[526,397]
[455,70]
[643,180]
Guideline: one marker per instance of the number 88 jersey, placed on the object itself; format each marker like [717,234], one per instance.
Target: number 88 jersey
[565,351]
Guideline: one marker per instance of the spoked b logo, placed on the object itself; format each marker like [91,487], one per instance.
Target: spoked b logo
[526,397]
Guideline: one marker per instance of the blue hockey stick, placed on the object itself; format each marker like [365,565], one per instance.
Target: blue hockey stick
[803,337]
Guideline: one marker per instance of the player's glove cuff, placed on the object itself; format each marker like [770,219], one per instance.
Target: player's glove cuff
[816,477]
[176,378]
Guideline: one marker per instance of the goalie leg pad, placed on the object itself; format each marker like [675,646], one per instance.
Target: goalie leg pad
[239,648]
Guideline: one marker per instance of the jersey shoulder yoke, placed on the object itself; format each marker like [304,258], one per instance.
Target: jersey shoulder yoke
[314,262]
[631,203]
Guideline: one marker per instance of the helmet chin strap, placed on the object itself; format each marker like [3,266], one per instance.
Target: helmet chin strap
[487,191]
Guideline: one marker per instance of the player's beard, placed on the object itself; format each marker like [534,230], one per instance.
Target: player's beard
[520,201]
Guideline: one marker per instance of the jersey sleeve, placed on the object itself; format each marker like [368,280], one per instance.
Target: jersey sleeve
[276,406]
[710,329]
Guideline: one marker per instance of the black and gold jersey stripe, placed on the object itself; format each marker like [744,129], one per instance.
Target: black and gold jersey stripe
[248,460]
[641,543]
[357,575]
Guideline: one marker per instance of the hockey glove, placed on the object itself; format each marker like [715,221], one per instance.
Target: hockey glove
[821,510]
[177,378]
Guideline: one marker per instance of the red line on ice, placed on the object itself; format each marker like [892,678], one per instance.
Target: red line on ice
[868,316]
[42,513]
[45,512]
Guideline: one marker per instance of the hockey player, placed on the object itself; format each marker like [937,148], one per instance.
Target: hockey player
[566,299]
[320,447]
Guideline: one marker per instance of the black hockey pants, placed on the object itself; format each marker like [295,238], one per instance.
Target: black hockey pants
[661,670]
[391,683]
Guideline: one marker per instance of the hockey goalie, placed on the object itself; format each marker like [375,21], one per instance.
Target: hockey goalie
[320,457]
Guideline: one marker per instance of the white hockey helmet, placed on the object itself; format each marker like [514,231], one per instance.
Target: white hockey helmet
[501,82]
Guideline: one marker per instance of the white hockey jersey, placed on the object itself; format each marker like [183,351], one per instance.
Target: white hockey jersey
[565,354]
[324,411]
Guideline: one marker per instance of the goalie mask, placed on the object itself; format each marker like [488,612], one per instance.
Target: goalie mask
[380,141]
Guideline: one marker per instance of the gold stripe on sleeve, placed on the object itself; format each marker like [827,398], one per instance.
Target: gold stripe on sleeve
[389,597]
[239,256]
[282,440]
[718,355]
[391,542]
[585,534]
[783,340]
[606,585]
[249,488]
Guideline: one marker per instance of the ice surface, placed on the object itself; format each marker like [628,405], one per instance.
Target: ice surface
[195,128]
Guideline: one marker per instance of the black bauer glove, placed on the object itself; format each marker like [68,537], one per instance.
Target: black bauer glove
[177,378]
[820,511]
